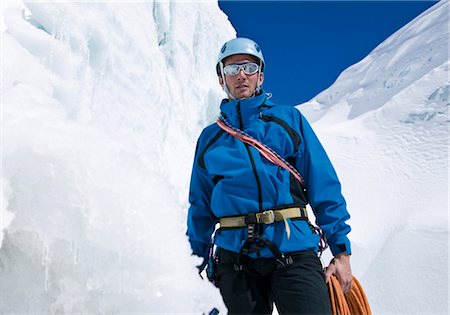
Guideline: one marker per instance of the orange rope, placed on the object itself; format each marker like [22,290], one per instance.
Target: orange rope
[354,302]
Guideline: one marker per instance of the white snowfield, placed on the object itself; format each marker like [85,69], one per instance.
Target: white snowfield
[101,105]
[384,123]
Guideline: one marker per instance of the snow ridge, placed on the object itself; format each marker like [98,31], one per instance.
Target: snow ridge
[399,61]
[385,124]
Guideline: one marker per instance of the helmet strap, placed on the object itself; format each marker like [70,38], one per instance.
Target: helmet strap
[258,87]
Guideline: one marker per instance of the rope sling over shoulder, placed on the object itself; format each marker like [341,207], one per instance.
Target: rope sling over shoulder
[270,154]
[353,302]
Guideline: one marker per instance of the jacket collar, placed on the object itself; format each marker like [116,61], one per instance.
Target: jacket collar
[247,108]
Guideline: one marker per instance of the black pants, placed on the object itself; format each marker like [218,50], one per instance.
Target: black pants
[296,285]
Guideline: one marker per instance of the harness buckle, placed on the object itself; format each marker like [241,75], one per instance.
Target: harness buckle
[267,217]
[251,232]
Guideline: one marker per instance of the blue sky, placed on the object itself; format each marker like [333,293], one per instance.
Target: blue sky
[307,44]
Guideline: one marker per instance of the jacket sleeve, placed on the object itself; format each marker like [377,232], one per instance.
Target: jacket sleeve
[323,190]
[200,221]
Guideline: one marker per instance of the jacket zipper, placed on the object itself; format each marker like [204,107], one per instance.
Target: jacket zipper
[258,182]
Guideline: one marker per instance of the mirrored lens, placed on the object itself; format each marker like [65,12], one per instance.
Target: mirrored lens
[231,70]
[248,68]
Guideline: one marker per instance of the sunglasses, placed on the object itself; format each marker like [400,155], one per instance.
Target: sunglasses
[248,68]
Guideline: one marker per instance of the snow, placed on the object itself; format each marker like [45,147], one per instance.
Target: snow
[101,107]
[102,104]
[385,125]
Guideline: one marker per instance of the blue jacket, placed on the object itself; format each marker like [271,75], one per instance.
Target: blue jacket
[230,178]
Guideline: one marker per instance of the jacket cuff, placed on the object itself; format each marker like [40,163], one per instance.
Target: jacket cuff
[341,246]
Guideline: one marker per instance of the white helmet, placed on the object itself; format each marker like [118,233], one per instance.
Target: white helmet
[240,45]
[237,46]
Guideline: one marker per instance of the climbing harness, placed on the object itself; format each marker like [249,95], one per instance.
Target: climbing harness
[265,217]
[354,302]
[269,216]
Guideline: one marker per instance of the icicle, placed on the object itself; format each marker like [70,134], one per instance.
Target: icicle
[76,252]
[121,285]
[45,263]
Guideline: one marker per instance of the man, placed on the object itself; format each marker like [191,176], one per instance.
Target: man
[267,248]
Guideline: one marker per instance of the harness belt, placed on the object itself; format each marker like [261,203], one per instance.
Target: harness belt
[265,217]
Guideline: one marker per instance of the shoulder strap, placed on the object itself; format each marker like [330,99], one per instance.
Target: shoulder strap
[270,154]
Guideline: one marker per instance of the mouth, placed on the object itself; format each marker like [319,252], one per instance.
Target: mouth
[242,86]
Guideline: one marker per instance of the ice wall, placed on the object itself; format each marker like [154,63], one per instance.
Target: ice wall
[101,107]
[385,125]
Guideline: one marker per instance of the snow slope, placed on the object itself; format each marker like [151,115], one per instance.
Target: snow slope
[101,107]
[385,125]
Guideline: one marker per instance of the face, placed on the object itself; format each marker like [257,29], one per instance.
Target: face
[241,85]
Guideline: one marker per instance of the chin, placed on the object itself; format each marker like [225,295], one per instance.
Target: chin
[244,95]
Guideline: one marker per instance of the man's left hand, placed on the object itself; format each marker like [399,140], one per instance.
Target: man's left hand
[340,267]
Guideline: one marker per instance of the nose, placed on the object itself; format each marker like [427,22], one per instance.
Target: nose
[241,74]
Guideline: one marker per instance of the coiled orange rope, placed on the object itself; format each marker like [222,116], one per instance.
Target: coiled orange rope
[354,302]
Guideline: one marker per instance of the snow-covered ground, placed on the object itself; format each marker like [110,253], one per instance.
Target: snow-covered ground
[101,107]
[385,125]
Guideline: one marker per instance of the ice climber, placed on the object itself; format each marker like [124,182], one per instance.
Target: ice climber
[266,248]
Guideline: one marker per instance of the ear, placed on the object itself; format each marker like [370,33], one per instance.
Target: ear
[261,78]
[221,81]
